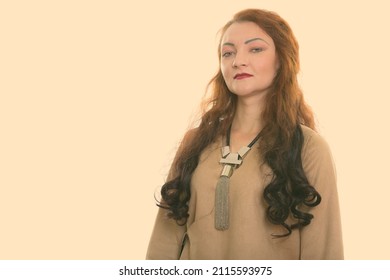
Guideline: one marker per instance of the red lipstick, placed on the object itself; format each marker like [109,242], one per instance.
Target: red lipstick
[241,76]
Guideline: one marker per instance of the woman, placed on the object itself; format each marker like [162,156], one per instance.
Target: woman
[253,180]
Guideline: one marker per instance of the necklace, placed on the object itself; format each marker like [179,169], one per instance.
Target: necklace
[230,162]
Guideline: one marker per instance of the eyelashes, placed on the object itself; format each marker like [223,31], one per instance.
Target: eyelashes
[227,54]
[257,50]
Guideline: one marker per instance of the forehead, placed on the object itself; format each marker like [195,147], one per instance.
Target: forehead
[239,32]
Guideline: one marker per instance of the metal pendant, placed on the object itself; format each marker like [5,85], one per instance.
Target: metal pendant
[230,161]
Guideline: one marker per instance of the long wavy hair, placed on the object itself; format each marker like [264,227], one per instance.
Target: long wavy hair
[281,138]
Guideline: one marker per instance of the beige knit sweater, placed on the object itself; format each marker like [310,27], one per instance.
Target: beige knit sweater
[249,234]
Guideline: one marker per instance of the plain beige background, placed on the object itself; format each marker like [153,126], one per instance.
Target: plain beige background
[95,96]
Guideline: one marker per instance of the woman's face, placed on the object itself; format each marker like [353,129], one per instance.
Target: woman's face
[248,59]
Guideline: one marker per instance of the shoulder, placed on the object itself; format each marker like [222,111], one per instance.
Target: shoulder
[317,159]
[313,142]
[309,133]
[188,138]
[191,134]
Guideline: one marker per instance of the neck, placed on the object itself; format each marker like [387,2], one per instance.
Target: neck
[248,116]
[247,122]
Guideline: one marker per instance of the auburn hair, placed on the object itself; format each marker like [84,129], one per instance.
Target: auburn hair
[281,138]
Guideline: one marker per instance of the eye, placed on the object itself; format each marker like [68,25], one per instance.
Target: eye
[257,50]
[227,54]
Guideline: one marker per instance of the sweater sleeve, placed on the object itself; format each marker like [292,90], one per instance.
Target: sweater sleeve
[167,236]
[322,238]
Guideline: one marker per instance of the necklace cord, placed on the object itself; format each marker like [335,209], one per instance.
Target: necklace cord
[228,134]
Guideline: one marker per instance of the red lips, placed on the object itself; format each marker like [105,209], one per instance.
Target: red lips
[241,76]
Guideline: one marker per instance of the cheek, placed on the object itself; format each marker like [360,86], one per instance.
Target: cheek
[270,67]
[224,71]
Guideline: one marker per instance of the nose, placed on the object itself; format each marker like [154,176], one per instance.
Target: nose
[240,59]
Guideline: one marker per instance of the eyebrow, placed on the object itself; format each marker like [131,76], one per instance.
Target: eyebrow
[247,41]
[254,39]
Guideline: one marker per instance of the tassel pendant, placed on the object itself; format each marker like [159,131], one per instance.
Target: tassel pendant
[222,199]
[230,161]
[222,204]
